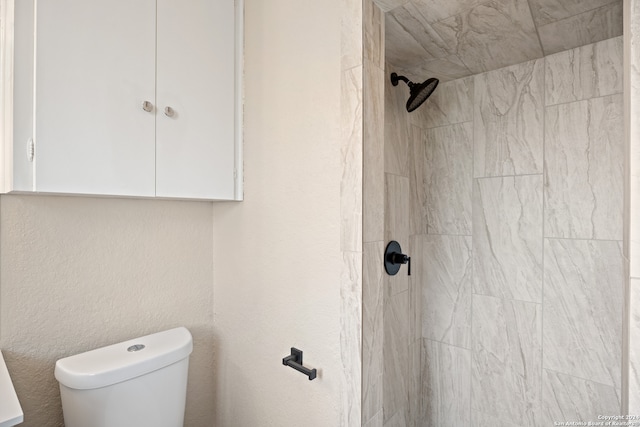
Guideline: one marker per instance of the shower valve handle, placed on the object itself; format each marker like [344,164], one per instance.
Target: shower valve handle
[397,258]
[394,258]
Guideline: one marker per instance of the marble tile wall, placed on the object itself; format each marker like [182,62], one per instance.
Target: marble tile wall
[584,163]
[521,261]
[446,372]
[446,273]
[583,277]
[508,112]
[583,28]
[632,151]
[451,39]
[633,91]
[351,211]
[586,72]
[393,207]
[373,217]
[405,203]
[634,346]
[507,244]
[506,359]
[401,353]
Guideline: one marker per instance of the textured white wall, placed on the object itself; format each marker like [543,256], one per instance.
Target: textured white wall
[78,273]
[277,269]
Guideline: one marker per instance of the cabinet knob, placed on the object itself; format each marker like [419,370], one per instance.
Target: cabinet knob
[169,112]
[147,106]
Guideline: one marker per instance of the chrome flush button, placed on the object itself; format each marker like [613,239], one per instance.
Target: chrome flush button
[136,347]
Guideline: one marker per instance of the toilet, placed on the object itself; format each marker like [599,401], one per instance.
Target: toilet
[141,382]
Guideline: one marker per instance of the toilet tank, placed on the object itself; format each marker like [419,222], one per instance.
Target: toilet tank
[141,382]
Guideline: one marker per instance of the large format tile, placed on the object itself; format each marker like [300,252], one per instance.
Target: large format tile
[373,34]
[414,26]
[376,421]
[445,69]
[437,10]
[401,47]
[372,329]
[396,356]
[492,35]
[351,336]
[452,102]
[547,11]
[351,157]
[373,155]
[447,288]
[397,226]
[583,308]
[566,398]
[507,237]
[506,365]
[634,347]
[584,143]
[396,128]
[508,120]
[634,138]
[387,5]
[415,385]
[446,390]
[480,419]
[417,185]
[582,29]
[585,72]
[449,178]
[416,280]
[397,419]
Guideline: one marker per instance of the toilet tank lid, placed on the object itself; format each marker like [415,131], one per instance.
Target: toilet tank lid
[123,361]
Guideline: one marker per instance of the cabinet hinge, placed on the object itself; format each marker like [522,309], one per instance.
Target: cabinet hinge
[31,149]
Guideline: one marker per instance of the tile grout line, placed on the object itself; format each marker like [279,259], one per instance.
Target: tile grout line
[587,99]
[583,239]
[535,25]
[508,299]
[580,378]
[544,165]
[473,272]
[448,124]
[559,20]
[510,176]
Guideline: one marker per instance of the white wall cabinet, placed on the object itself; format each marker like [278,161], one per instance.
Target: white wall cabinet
[124,98]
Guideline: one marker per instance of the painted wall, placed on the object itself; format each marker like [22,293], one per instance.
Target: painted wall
[287,260]
[78,273]
[522,299]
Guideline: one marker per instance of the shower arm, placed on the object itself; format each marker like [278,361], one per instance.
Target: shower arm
[395,78]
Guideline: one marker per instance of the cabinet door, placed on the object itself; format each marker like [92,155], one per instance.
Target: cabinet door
[195,78]
[95,66]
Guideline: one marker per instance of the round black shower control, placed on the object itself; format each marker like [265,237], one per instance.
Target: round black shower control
[394,258]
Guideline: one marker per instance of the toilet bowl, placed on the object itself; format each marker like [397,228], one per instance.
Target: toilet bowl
[141,382]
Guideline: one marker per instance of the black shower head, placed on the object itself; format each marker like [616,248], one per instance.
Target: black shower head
[418,92]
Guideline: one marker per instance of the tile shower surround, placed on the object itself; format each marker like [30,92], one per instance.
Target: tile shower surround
[515,223]
[452,39]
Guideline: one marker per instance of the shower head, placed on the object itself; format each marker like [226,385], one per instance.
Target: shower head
[418,92]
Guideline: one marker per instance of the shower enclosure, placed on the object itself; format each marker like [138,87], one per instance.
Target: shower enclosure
[512,190]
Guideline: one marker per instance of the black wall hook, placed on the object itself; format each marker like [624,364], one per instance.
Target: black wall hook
[294,360]
[394,258]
